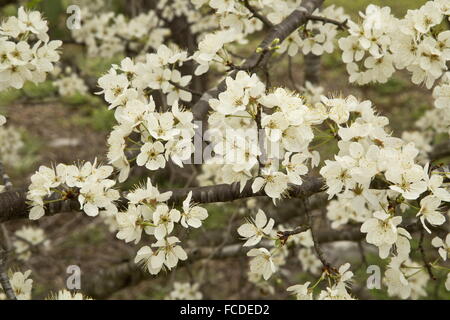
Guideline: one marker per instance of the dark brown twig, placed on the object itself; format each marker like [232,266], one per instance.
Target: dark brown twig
[342,25]
[284,235]
[178,86]
[257,15]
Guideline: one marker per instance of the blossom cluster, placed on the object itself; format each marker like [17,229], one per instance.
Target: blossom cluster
[367,153]
[284,135]
[26,50]
[148,212]
[375,179]
[107,34]
[88,183]
[159,134]
[234,14]
[315,37]
[382,43]
[270,256]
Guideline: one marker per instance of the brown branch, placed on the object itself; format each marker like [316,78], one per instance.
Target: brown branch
[342,25]
[317,248]
[257,15]
[13,204]
[178,86]
[231,192]
[284,235]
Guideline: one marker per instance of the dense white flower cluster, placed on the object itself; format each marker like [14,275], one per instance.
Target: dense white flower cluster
[27,238]
[236,22]
[210,48]
[267,260]
[381,43]
[368,153]
[26,50]
[315,37]
[434,121]
[285,134]
[159,134]
[147,212]
[88,183]
[107,34]
[234,14]
[185,291]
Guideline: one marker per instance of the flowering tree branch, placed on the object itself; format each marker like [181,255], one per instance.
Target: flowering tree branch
[342,25]
[13,204]
[178,86]
[280,31]
[257,14]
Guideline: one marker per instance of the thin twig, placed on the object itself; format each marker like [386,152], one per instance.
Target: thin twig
[317,248]
[342,25]
[284,235]
[178,86]
[257,15]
